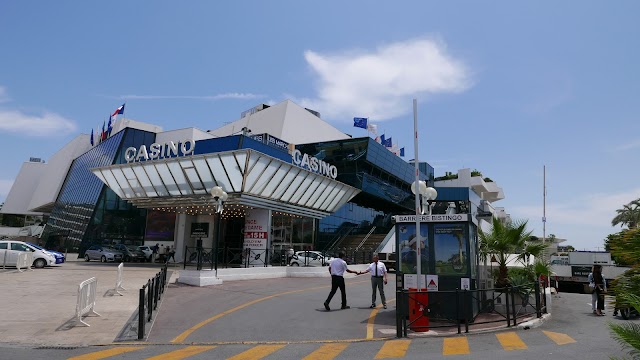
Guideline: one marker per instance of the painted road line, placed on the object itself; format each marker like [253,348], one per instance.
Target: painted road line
[326,352]
[372,318]
[455,346]
[103,354]
[182,353]
[511,341]
[257,352]
[559,338]
[393,349]
[180,338]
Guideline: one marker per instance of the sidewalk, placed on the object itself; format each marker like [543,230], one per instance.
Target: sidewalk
[40,305]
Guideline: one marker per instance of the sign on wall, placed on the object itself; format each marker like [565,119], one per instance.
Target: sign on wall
[199,230]
[256,237]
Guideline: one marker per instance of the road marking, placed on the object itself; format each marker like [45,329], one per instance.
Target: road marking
[511,341]
[559,338]
[180,338]
[326,352]
[257,352]
[455,346]
[372,318]
[393,349]
[106,353]
[182,353]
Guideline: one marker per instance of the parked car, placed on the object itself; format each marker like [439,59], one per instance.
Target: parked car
[130,253]
[60,257]
[148,253]
[102,253]
[41,257]
[309,258]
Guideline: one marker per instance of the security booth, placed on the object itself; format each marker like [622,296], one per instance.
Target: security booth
[447,247]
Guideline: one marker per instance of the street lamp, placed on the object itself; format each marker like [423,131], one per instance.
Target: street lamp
[427,195]
[219,197]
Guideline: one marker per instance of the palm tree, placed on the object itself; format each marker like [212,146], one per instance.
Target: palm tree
[629,215]
[503,239]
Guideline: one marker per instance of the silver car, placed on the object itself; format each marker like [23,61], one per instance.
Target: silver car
[102,253]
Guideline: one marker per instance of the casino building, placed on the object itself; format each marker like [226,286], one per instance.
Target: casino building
[292,181]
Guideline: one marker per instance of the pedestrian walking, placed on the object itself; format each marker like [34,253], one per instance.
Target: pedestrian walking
[378,279]
[600,288]
[594,296]
[172,253]
[337,268]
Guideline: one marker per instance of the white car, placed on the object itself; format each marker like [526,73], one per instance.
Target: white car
[147,252]
[9,250]
[309,258]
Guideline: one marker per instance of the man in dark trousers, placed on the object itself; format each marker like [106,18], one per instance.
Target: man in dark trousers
[378,279]
[337,269]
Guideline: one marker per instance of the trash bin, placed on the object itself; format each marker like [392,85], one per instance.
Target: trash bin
[418,310]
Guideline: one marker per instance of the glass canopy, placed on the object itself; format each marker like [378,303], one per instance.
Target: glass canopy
[249,177]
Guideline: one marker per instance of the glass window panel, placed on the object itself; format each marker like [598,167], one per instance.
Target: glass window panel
[192,175]
[124,184]
[219,174]
[144,181]
[234,180]
[178,176]
[133,182]
[112,183]
[204,173]
[304,187]
[167,179]
[314,195]
[256,178]
[286,182]
[156,181]
[275,181]
[295,183]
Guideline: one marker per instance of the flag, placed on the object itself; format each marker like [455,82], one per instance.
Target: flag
[91,137]
[388,142]
[360,122]
[402,152]
[119,110]
[373,129]
[102,134]
[109,128]
[382,141]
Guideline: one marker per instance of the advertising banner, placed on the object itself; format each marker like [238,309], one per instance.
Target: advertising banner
[256,237]
[450,248]
[408,246]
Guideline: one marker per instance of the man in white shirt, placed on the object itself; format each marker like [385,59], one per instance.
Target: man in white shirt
[337,268]
[378,280]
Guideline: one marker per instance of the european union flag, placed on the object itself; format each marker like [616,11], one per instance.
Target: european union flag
[388,142]
[360,122]
[402,152]
[382,141]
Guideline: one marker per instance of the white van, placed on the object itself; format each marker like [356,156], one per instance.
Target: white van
[9,250]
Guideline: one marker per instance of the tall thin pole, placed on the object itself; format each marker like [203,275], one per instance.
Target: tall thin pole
[417,187]
[544,203]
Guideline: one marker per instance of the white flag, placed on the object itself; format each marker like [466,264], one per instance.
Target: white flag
[373,129]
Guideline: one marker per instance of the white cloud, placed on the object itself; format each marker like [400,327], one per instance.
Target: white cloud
[46,124]
[239,96]
[379,84]
[628,146]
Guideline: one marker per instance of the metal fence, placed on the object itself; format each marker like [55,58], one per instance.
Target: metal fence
[460,309]
[150,295]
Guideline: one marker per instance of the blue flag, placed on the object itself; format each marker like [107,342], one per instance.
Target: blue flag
[382,141]
[91,137]
[402,152]
[388,142]
[109,128]
[360,122]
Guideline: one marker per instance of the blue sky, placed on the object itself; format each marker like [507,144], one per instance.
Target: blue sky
[502,87]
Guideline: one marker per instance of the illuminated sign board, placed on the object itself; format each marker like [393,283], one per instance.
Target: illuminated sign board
[313,164]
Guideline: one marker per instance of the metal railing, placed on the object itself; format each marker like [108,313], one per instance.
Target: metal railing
[86,303]
[150,295]
[366,238]
[468,308]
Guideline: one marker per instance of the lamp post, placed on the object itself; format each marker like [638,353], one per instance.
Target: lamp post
[424,204]
[219,197]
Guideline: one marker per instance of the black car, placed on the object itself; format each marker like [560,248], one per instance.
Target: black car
[131,253]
